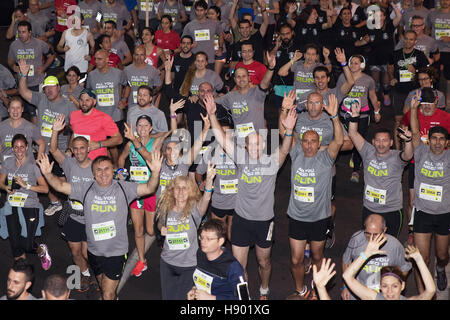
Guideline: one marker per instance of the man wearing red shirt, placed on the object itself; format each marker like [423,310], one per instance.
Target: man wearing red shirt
[95,125]
[256,70]
[429,116]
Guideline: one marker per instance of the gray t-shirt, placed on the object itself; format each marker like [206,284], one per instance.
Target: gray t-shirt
[29,297]
[425,43]
[382,179]
[47,112]
[203,33]
[311,178]
[107,87]
[7,132]
[440,26]
[226,181]
[75,93]
[370,272]
[120,48]
[167,174]
[432,180]
[118,13]
[74,174]
[247,110]
[29,172]
[181,243]
[7,81]
[89,12]
[323,127]
[210,77]
[360,90]
[159,122]
[32,52]
[39,22]
[146,76]
[256,197]
[105,212]
[303,78]
[411,12]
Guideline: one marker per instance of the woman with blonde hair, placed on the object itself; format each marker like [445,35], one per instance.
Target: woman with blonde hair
[180,209]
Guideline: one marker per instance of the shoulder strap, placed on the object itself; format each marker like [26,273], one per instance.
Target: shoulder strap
[126,198]
[85,195]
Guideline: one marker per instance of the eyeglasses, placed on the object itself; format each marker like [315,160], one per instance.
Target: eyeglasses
[312,103]
[416,25]
[423,79]
[371,234]
[206,239]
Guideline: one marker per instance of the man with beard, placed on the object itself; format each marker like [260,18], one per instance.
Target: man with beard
[144,106]
[182,61]
[20,279]
[96,126]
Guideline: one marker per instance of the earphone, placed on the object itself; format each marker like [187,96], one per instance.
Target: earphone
[363,63]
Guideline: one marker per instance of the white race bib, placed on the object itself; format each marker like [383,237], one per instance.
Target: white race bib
[228,186]
[405,76]
[105,100]
[202,281]
[62,21]
[375,195]
[104,230]
[304,194]
[178,241]
[17,199]
[244,129]
[46,129]
[430,192]
[31,70]
[147,8]
[439,33]
[139,174]
[202,35]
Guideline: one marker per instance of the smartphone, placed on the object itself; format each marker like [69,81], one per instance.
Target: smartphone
[99,17]
[401,130]
[242,289]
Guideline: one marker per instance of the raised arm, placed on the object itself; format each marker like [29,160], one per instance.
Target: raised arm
[322,277]
[284,70]
[154,165]
[265,82]
[195,149]
[265,16]
[373,248]
[338,141]
[414,120]
[289,123]
[46,169]
[398,15]
[58,126]
[430,287]
[26,93]
[349,81]
[232,16]
[357,138]
[203,203]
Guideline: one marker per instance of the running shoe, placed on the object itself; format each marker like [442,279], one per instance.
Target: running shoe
[441,279]
[53,208]
[264,296]
[355,177]
[297,295]
[84,284]
[139,267]
[44,256]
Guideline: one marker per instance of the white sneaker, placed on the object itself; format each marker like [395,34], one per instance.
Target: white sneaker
[53,208]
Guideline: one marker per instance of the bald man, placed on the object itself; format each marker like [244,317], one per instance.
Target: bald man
[370,273]
[55,288]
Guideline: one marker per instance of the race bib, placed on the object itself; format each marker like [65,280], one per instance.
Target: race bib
[17,199]
[46,129]
[144,7]
[304,194]
[31,70]
[104,230]
[202,281]
[178,241]
[430,192]
[228,186]
[105,100]
[439,33]
[62,21]
[78,206]
[139,174]
[375,195]
[244,129]
[202,35]
[405,76]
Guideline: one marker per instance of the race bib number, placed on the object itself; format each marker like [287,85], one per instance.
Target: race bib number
[17,199]
[78,206]
[105,100]
[139,174]
[375,195]
[244,129]
[304,194]
[144,7]
[228,186]
[46,130]
[31,70]
[202,281]
[104,230]
[62,21]
[405,76]
[430,192]
[439,33]
[202,35]
[178,241]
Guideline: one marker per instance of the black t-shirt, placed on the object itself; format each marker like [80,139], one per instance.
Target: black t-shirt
[309,33]
[284,55]
[345,38]
[180,67]
[381,43]
[358,17]
[258,47]
[401,60]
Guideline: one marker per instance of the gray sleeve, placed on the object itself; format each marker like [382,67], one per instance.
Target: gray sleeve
[223,101]
[130,189]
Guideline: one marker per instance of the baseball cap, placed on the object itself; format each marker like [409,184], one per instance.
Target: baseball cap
[90,93]
[50,81]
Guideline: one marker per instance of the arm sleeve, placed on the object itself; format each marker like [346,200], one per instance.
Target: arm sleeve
[235,271]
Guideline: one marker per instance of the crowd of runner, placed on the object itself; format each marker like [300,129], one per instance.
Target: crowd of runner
[159,119]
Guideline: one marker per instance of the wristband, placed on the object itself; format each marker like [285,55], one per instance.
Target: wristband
[344,287]
[354,119]
[268,68]
[335,116]
[208,190]
[173,116]
[363,255]
[344,64]
[140,147]
[287,135]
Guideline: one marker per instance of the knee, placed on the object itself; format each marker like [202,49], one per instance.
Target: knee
[108,295]
[138,231]
[264,263]
[297,261]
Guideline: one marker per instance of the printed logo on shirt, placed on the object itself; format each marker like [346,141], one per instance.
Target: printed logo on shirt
[104,204]
[432,170]
[377,169]
[305,176]
[27,54]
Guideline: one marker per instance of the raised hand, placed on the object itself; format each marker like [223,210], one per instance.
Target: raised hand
[332,107]
[206,122]
[128,132]
[168,64]
[326,52]
[288,101]
[405,136]
[177,105]
[44,164]
[325,273]
[340,55]
[412,252]
[373,247]
[23,67]
[210,104]
[210,173]
[59,123]
[415,101]
[156,162]
[297,55]
[290,120]
[271,60]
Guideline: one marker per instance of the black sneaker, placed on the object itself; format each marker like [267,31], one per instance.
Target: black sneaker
[441,279]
